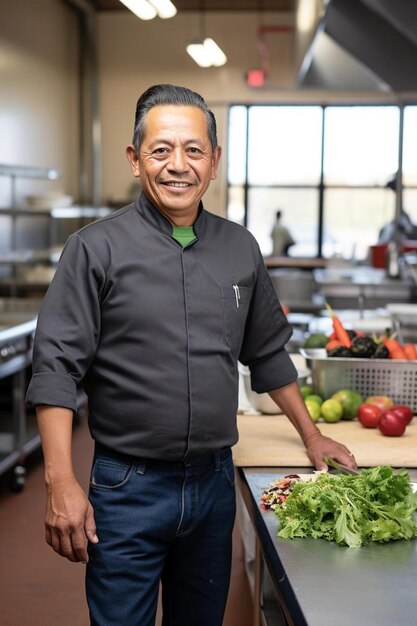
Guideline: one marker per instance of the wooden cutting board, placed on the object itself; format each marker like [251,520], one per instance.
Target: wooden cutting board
[272,441]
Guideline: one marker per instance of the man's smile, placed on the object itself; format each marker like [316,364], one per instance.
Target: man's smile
[175,184]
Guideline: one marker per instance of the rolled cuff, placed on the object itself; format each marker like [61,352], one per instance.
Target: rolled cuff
[273,373]
[53,389]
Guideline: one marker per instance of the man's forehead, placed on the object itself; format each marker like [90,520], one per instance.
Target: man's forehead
[164,113]
[173,119]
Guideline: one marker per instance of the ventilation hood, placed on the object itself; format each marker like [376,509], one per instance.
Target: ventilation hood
[366,45]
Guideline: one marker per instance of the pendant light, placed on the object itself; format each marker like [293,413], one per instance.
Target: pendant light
[205,51]
[148,9]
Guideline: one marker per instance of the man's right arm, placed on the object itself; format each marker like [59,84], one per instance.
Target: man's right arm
[69,516]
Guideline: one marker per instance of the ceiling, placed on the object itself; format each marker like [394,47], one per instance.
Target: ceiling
[209,5]
[356,44]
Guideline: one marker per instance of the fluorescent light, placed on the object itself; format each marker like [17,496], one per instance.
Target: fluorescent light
[141,8]
[207,54]
[199,53]
[165,8]
[217,55]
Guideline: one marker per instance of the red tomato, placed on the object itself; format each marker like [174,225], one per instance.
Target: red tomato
[403,411]
[368,415]
[391,424]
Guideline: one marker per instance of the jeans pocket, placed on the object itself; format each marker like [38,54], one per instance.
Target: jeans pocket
[110,473]
[228,470]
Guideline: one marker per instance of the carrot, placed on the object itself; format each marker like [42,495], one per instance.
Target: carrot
[395,349]
[410,351]
[333,343]
[332,336]
[339,329]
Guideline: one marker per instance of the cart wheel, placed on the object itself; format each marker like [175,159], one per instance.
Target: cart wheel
[18,479]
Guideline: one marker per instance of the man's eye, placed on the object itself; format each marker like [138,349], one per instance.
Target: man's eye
[194,150]
[160,151]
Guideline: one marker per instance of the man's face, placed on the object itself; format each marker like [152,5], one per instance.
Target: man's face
[176,162]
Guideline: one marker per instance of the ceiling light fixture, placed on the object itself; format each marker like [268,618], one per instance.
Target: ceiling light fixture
[205,52]
[165,8]
[148,9]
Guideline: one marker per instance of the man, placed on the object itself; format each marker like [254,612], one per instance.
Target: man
[282,239]
[150,309]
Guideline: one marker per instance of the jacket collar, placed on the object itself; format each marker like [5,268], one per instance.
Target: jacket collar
[153,216]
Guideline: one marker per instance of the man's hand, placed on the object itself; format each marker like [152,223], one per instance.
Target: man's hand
[292,403]
[318,447]
[69,520]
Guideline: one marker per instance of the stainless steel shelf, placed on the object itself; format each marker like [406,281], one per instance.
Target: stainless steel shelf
[24,171]
[72,212]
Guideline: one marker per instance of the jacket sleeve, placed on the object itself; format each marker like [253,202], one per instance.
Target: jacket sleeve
[266,334]
[68,327]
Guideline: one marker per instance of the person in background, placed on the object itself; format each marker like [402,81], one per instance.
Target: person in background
[281,237]
[150,310]
[401,229]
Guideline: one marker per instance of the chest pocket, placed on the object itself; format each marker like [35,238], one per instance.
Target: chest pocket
[236,301]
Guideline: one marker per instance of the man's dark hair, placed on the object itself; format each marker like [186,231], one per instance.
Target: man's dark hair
[170,94]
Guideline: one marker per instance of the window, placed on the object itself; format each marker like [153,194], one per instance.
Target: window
[284,145]
[326,169]
[360,145]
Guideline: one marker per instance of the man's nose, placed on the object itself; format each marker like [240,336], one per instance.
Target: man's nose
[178,160]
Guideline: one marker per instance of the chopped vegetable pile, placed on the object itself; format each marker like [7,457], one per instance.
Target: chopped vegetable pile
[352,510]
[278,491]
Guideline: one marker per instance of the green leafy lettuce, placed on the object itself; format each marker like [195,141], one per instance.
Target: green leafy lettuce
[352,510]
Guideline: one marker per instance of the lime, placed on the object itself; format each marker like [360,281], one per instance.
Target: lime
[331,410]
[313,408]
[350,401]
[314,397]
[306,391]
[316,340]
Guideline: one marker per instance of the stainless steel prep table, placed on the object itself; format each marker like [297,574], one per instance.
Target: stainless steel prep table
[318,583]
[18,432]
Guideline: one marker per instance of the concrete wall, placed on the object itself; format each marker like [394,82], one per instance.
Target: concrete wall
[38,93]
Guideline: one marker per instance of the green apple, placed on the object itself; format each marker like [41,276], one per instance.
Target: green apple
[313,408]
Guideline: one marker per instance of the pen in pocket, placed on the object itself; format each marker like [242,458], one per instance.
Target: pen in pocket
[237,294]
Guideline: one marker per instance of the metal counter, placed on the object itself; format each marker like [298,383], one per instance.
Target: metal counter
[361,287]
[18,431]
[318,583]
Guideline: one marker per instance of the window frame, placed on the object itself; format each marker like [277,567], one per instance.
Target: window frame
[321,187]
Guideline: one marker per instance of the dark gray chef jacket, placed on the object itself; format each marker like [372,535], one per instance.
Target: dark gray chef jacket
[153,331]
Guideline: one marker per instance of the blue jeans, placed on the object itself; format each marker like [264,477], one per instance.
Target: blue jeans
[169,522]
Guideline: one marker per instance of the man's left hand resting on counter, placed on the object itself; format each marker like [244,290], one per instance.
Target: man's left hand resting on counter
[317,445]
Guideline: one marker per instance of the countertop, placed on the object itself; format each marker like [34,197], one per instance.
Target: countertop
[294,262]
[323,584]
[272,441]
[319,583]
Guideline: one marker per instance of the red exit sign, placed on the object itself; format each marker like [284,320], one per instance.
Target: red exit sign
[255,78]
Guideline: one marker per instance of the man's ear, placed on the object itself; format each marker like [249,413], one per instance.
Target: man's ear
[133,159]
[215,162]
